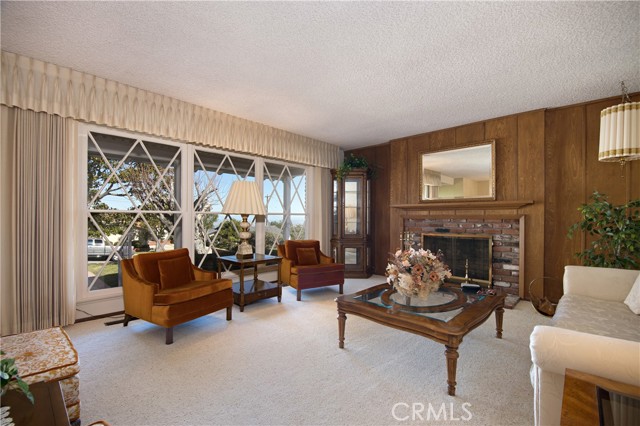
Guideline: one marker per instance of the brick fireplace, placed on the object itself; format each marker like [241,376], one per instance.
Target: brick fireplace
[505,234]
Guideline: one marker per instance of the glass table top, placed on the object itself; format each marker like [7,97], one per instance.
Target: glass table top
[443,305]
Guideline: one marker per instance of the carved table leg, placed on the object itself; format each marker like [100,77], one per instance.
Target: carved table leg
[499,312]
[342,318]
[452,362]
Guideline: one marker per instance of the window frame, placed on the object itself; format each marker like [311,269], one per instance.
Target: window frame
[187,211]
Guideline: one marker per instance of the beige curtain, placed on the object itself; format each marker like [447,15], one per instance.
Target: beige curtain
[38,238]
[319,208]
[40,86]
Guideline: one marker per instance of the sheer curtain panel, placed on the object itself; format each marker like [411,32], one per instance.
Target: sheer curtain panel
[37,250]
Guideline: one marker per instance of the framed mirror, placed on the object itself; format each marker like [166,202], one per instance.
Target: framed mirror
[464,173]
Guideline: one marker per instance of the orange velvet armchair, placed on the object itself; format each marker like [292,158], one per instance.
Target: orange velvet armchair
[166,289]
[305,266]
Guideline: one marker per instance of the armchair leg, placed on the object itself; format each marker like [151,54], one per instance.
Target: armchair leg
[127,318]
[299,295]
[229,310]
[169,336]
[341,288]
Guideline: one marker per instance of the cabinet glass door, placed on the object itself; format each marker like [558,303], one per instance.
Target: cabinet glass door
[352,207]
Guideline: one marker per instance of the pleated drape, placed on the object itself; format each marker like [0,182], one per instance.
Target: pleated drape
[38,279]
[40,86]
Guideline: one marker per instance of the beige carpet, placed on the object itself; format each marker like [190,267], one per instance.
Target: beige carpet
[279,363]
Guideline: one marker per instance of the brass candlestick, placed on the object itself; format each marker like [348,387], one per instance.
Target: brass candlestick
[466,271]
[406,238]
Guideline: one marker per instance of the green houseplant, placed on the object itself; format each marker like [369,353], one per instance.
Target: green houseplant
[616,232]
[9,377]
[353,162]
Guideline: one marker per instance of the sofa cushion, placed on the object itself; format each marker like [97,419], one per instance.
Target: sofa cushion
[633,299]
[597,316]
[307,256]
[190,291]
[175,272]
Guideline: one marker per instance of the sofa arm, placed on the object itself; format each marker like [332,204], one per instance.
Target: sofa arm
[599,283]
[555,349]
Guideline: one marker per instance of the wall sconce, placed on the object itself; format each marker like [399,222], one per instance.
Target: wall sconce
[244,199]
[620,131]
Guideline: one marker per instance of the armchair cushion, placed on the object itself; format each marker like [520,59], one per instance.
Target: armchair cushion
[291,248]
[189,291]
[146,264]
[633,298]
[175,272]
[307,256]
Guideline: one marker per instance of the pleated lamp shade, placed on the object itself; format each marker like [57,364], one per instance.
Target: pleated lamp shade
[620,133]
[244,198]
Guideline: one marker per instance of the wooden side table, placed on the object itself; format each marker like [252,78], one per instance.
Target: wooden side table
[580,396]
[246,292]
[47,410]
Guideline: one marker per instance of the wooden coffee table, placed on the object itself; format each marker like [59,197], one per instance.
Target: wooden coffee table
[446,317]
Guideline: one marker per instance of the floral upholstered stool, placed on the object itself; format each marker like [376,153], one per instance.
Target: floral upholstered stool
[46,356]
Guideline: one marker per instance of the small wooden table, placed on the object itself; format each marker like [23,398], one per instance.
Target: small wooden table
[446,317]
[580,405]
[47,410]
[246,292]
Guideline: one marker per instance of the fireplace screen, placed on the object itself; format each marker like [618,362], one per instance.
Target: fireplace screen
[467,255]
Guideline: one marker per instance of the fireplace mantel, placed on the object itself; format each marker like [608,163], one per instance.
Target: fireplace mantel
[465,205]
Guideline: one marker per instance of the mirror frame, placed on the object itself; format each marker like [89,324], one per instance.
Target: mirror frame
[492,183]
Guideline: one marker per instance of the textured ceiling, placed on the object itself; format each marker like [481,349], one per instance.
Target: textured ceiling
[349,73]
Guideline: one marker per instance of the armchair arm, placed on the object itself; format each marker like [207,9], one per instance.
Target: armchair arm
[324,259]
[137,292]
[204,275]
[285,270]
[555,349]
[600,283]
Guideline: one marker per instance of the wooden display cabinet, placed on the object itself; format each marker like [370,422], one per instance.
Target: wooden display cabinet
[350,235]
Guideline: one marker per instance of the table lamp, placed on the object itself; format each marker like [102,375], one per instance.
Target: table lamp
[244,199]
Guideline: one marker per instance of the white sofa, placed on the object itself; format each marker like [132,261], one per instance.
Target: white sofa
[593,331]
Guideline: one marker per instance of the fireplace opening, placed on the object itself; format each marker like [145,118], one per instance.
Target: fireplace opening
[468,256]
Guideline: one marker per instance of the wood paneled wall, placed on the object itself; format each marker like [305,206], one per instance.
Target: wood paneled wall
[548,156]
[572,173]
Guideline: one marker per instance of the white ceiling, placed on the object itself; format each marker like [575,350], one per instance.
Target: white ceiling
[349,73]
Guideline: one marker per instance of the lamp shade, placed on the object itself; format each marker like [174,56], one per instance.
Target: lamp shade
[244,198]
[620,132]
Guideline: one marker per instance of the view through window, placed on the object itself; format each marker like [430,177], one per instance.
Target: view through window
[145,195]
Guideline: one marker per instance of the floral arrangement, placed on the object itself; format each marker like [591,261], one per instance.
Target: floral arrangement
[417,273]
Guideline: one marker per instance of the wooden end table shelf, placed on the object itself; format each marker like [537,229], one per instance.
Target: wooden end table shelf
[249,291]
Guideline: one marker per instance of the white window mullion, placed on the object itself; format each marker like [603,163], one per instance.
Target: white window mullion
[260,221]
[187,200]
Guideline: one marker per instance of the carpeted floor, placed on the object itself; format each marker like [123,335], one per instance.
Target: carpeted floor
[279,364]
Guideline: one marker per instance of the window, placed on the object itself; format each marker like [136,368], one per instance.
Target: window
[148,194]
[133,202]
[284,189]
[216,234]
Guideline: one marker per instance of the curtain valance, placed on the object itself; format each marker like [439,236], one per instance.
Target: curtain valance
[43,87]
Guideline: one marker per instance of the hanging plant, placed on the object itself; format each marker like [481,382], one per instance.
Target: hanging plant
[616,230]
[353,162]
